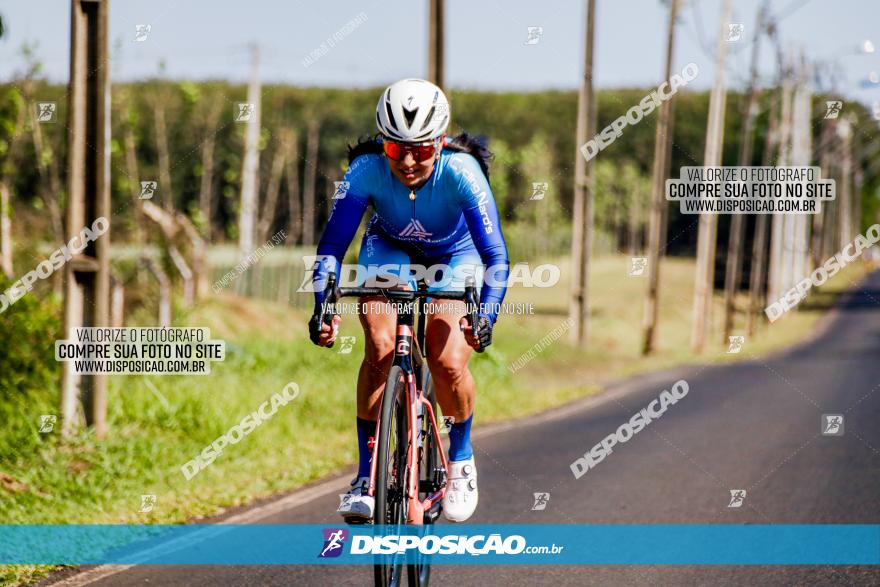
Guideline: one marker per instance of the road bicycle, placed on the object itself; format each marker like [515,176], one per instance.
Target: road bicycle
[409,468]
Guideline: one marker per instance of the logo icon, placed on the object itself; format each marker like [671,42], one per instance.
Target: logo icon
[440,110]
[737,497]
[47,423]
[541,500]
[341,189]
[539,190]
[734,32]
[736,344]
[311,264]
[637,266]
[832,424]
[141,32]
[832,109]
[46,112]
[344,499]
[535,34]
[147,503]
[243,111]
[346,344]
[448,421]
[403,347]
[415,230]
[148,189]
[334,539]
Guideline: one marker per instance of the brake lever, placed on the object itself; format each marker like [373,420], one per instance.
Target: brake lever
[330,297]
[472,317]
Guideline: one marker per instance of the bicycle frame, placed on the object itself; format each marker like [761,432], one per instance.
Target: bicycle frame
[403,357]
[407,355]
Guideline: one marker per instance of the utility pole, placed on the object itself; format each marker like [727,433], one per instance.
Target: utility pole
[801,156]
[858,180]
[584,185]
[820,227]
[657,223]
[436,24]
[247,218]
[776,275]
[294,204]
[703,285]
[844,204]
[313,138]
[757,278]
[87,275]
[735,244]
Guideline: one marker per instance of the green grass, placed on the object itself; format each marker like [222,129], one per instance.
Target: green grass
[159,423]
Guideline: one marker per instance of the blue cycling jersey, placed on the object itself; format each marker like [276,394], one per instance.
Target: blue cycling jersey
[453,212]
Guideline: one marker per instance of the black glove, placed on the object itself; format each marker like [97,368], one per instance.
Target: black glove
[315,328]
[483,333]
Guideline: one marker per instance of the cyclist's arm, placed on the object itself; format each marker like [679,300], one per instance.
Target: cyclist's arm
[484,224]
[345,217]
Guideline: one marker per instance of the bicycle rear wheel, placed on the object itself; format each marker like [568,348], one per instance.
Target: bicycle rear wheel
[391,504]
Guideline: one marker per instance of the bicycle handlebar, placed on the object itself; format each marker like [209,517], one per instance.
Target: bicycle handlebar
[332,294]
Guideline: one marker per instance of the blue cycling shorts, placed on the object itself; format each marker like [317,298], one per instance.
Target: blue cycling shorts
[386,262]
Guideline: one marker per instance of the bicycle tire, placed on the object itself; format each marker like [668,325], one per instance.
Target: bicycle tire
[419,575]
[391,452]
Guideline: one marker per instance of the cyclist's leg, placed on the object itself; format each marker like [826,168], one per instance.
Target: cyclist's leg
[455,387]
[377,320]
[448,351]
[448,354]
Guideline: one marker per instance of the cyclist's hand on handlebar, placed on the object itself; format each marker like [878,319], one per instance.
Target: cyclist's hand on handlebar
[323,334]
[483,336]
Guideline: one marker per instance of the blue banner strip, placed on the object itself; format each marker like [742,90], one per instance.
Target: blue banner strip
[660,544]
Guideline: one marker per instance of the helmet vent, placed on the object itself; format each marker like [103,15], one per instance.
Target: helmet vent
[390,115]
[428,119]
[410,116]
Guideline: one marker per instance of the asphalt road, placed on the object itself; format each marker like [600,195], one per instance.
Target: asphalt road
[753,426]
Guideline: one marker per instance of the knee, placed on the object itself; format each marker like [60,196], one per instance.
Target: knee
[449,368]
[379,345]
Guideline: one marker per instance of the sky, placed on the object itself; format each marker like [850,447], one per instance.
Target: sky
[486,44]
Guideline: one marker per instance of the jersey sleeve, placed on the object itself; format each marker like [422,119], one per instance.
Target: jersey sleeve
[349,203]
[481,214]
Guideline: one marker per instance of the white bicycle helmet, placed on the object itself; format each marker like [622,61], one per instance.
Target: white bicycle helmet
[412,111]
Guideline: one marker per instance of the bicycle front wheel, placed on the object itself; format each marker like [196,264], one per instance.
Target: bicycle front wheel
[429,459]
[393,443]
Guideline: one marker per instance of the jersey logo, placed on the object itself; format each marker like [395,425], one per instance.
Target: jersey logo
[415,230]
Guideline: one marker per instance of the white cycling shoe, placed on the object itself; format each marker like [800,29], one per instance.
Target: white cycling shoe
[461,497]
[356,506]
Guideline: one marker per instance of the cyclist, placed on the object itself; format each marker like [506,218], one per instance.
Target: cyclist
[432,205]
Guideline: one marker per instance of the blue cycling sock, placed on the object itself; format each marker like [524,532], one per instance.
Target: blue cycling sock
[460,440]
[366,429]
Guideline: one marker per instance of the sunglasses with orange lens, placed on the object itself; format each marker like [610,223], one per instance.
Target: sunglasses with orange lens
[398,151]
